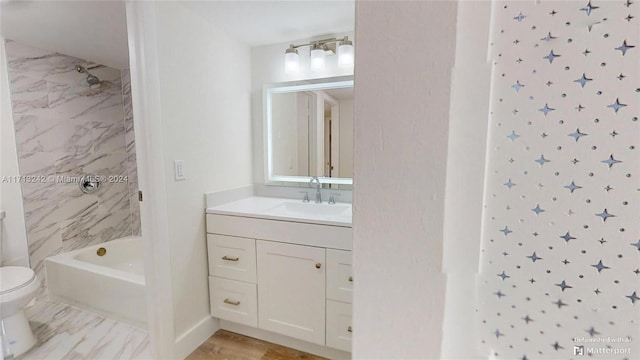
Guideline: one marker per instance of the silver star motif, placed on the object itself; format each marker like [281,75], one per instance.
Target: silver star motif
[600,266]
[549,37]
[563,285]
[534,257]
[629,17]
[551,57]
[537,210]
[616,106]
[517,86]
[588,8]
[546,109]
[527,319]
[498,333]
[509,184]
[592,331]
[513,135]
[583,80]
[577,134]
[608,188]
[560,304]
[633,297]
[572,187]
[499,294]
[637,244]
[520,17]
[506,231]
[624,47]
[605,215]
[614,133]
[586,52]
[597,291]
[611,161]
[567,237]
[590,26]
[542,160]
[575,161]
[503,275]
[579,107]
[621,76]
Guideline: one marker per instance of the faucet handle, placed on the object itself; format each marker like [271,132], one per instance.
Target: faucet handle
[332,199]
[306,196]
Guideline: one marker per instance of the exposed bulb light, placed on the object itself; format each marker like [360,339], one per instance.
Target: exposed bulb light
[317,58]
[345,53]
[291,60]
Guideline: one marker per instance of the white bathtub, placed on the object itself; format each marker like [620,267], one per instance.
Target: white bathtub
[111,285]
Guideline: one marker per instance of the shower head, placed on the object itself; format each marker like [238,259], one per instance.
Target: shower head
[92,80]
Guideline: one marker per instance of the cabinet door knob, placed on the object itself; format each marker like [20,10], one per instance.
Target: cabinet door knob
[231,302]
[318,265]
[349,329]
[350,278]
[230,258]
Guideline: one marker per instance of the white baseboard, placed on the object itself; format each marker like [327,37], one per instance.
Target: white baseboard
[194,337]
[300,345]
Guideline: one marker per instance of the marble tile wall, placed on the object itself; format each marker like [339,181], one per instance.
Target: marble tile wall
[132,167]
[66,129]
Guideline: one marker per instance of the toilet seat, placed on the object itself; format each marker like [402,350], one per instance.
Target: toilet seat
[14,278]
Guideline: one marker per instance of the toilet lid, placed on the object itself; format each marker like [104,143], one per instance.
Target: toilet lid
[13,278]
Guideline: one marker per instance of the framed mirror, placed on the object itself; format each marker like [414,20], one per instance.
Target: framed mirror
[308,129]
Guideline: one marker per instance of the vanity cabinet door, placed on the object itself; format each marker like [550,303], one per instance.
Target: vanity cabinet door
[339,275]
[291,290]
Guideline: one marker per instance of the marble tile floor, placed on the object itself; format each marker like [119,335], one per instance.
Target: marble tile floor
[67,332]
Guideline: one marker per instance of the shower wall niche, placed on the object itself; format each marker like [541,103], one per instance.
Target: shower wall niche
[64,129]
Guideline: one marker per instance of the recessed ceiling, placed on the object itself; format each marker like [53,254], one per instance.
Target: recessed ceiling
[257,23]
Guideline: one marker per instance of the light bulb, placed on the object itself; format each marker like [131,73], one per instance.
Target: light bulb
[345,54]
[291,61]
[317,58]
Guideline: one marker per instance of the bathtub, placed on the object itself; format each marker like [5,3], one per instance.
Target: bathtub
[111,285]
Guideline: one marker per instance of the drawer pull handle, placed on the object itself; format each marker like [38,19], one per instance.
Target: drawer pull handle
[230,258]
[349,329]
[231,302]
[350,278]
[318,265]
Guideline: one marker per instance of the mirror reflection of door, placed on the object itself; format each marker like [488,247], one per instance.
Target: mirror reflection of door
[312,132]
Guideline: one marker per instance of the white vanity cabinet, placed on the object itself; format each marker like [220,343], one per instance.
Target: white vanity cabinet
[291,294]
[291,278]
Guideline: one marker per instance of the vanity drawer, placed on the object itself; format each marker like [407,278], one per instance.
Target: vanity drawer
[339,328]
[234,301]
[232,257]
[339,275]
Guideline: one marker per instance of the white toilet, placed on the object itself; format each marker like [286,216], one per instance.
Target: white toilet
[18,286]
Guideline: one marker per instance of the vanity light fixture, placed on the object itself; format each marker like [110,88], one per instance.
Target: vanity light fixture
[319,49]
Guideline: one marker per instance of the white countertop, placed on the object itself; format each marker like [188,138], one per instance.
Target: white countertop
[338,214]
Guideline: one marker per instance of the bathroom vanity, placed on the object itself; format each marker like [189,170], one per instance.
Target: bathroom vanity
[283,266]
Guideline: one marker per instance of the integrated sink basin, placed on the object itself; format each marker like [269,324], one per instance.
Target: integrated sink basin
[311,209]
[338,214]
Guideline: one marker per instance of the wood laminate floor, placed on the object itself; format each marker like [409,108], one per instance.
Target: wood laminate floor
[231,346]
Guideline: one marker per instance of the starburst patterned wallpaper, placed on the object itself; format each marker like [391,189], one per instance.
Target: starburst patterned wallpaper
[560,263]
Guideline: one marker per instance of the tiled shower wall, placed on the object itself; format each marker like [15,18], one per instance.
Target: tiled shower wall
[560,262]
[66,129]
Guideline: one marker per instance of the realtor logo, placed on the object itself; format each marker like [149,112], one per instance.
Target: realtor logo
[578,350]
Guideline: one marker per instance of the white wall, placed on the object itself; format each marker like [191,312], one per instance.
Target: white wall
[14,237]
[267,67]
[400,159]
[466,161]
[205,90]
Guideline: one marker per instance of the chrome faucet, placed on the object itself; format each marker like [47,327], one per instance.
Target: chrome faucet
[318,194]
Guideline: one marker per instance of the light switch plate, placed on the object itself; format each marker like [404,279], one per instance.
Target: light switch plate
[178,170]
